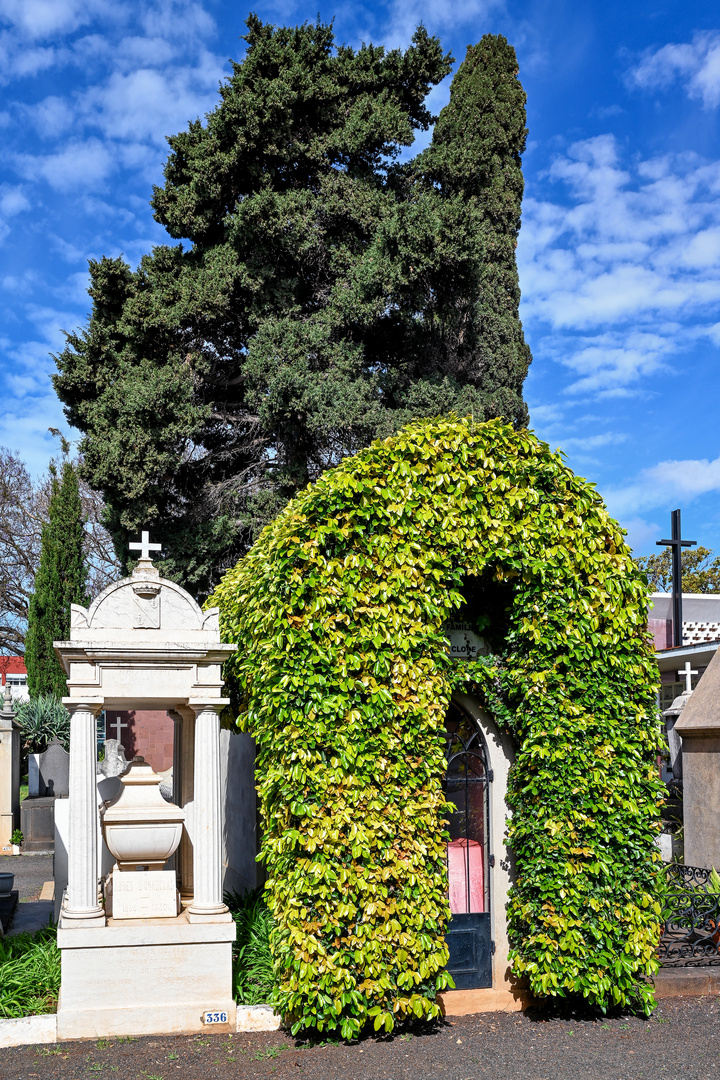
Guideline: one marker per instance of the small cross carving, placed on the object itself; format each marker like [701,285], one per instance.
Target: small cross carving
[145,547]
[687,674]
[118,725]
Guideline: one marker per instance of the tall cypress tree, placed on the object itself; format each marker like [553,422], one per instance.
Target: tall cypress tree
[60,582]
[474,167]
[324,292]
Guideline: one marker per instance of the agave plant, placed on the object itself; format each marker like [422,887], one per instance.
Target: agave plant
[42,719]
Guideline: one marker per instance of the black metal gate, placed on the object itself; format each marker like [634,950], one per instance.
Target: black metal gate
[466,787]
[691,917]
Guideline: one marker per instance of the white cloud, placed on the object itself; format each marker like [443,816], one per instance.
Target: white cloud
[621,262]
[668,481]
[79,165]
[46,18]
[437,15]
[545,414]
[593,442]
[22,284]
[24,428]
[186,19]
[51,117]
[609,364]
[147,104]
[13,201]
[696,65]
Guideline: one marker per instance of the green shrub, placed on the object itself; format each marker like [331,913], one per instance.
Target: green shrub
[29,974]
[253,976]
[42,719]
[344,679]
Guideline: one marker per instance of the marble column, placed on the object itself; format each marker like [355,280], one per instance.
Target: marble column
[207,835]
[187,794]
[183,795]
[9,772]
[82,895]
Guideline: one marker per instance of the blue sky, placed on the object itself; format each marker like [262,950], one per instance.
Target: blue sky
[620,247]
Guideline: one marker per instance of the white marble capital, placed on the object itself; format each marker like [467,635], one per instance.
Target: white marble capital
[207,825]
[82,905]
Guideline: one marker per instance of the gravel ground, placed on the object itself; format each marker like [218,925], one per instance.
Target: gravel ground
[31,872]
[680,1042]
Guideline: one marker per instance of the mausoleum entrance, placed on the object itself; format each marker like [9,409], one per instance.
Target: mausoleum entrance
[467,782]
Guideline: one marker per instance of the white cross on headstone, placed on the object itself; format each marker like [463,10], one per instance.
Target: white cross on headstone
[118,725]
[145,547]
[687,674]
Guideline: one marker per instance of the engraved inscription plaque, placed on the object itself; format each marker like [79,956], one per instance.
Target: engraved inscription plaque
[144,894]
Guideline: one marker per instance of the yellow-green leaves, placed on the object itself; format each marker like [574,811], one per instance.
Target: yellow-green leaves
[343,678]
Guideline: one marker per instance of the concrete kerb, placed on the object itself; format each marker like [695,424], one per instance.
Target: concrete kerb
[27,1030]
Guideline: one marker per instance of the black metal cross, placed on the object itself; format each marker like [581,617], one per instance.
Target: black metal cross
[676,544]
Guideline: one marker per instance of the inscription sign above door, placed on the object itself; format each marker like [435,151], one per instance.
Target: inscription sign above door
[465,642]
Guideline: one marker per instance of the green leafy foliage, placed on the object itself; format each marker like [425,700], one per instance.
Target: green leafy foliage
[700,571]
[29,974]
[60,582]
[344,679]
[325,294]
[252,958]
[42,719]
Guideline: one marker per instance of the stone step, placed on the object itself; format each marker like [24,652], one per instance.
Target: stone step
[687,982]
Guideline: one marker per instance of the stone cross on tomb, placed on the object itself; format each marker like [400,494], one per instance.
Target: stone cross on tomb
[145,547]
[687,674]
[118,725]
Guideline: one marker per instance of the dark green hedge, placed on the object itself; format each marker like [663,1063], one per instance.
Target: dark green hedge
[343,677]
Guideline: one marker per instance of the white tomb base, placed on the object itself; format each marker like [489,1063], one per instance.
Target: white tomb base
[145,977]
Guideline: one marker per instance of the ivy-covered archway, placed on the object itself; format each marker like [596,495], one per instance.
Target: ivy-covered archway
[343,677]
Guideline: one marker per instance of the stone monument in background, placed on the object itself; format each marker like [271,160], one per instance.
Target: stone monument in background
[698,725]
[9,773]
[145,644]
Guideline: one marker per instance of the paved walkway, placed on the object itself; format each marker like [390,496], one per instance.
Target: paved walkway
[680,1042]
[32,873]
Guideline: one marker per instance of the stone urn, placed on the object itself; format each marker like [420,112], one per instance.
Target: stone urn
[6,883]
[140,828]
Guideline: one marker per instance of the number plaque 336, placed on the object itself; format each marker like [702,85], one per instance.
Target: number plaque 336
[215,1018]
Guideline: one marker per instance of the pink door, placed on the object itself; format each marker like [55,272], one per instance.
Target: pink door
[466,787]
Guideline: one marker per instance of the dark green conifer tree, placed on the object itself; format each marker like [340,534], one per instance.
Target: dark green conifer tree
[325,292]
[60,582]
[474,167]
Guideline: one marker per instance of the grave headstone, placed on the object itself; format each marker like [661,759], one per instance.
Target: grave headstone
[54,771]
[37,822]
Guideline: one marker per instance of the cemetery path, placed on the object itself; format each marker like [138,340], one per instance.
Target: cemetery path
[680,1042]
[31,872]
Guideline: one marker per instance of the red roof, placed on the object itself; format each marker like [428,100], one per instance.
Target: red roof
[12,665]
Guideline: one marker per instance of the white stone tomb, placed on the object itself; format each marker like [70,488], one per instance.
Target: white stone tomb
[145,644]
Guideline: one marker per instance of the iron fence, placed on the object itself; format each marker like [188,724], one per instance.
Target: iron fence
[691,914]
